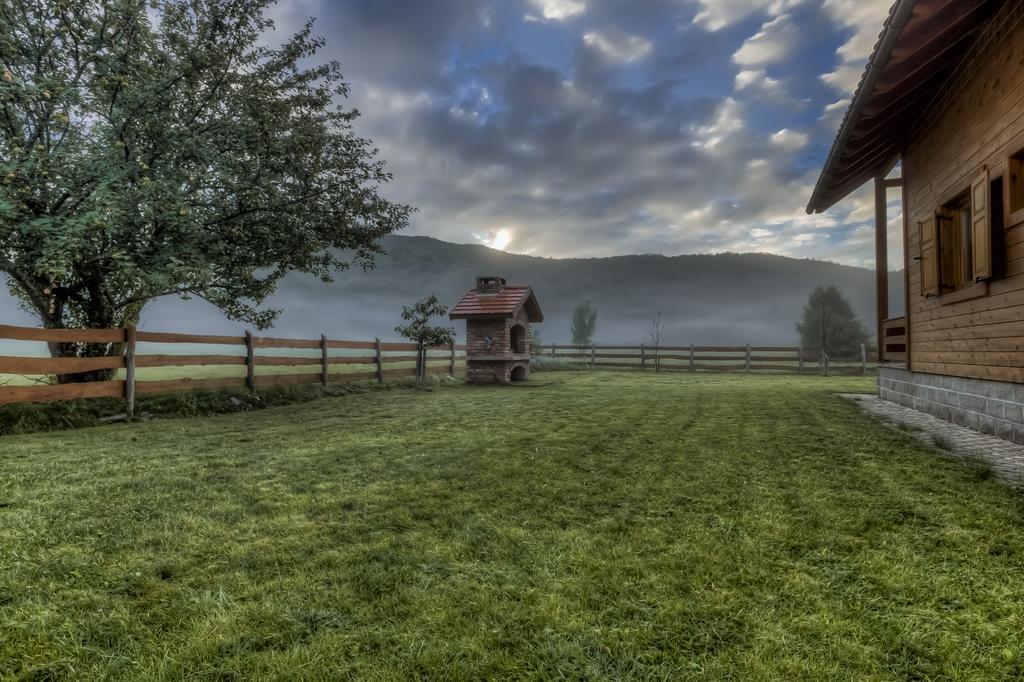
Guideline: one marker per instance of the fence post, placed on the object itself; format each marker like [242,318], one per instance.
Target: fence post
[129,363]
[800,366]
[250,361]
[593,356]
[747,369]
[323,360]
[420,353]
[380,362]
[863,359]
[451,369]
[691,357]
[823,363]
[643,358]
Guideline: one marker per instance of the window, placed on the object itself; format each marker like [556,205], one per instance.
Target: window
[1015,187]
[957,243]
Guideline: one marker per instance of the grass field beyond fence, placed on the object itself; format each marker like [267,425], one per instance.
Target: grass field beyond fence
[580,526]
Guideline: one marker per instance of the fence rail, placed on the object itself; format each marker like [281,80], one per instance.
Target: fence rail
[385,360]
[790,359]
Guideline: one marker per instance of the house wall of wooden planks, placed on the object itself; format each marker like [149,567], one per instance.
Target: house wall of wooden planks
[973,129]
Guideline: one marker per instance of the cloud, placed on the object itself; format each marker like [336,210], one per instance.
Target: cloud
[863,20]
[845,78]
[755,79]
[600,127]
[790,140]
[773,43]
[559,10]
[728,121]
[618,47]
[717,14]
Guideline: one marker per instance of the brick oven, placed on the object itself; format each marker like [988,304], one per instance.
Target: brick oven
[498,317]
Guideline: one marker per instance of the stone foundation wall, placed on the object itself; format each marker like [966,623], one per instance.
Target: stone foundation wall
[992,407]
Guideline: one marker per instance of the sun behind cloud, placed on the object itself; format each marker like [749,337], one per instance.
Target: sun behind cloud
[496,239]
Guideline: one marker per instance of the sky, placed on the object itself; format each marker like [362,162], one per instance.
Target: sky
[580,128]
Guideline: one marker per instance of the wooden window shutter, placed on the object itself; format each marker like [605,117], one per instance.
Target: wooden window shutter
[929,237]
[981,225]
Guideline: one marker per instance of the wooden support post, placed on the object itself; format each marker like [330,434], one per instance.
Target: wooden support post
[800,360]
[323,360]
[420,355]
[643,358]
[863,359]
[129,363]
[250,361]
[380,362]
[691,357]
[747,369]
[593,358]
[451,369]
[881,256]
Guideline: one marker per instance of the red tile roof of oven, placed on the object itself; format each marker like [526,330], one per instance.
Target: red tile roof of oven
[503,304]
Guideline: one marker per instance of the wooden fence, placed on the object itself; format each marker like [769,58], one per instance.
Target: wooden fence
[785,359]
[375,361]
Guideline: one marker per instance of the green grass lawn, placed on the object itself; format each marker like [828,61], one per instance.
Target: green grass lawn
[584,526]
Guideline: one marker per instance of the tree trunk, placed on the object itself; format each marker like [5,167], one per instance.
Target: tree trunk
[86,350]
[98,318]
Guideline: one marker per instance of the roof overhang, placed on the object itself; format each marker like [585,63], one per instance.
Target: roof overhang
[919,45]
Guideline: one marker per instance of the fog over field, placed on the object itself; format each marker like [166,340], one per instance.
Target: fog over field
[727,299]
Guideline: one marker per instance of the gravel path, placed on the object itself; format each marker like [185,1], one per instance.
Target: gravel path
[1006,459]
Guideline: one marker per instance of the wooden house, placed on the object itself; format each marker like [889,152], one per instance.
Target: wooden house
[498,317]
[937,122]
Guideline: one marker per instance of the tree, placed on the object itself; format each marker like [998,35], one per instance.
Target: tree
[829,323]
[420,331]
[159,147]
[584,322]
[535,342]
[653,336]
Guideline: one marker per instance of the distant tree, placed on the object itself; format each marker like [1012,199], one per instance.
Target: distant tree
[535,341]
[653,336]
[829,323]
[584,322]
[162,147]
[419,331]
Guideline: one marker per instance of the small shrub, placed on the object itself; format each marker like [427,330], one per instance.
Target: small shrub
[553,363]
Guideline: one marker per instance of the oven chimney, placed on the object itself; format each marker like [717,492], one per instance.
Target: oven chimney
[490,285]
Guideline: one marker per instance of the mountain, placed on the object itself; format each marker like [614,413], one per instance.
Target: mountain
[727,299]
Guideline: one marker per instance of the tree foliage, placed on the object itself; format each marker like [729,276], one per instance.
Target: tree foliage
[419,330]
[584,323]
[535,342]
[156,147]
[829,323]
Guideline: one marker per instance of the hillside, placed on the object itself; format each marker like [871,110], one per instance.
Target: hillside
[706,299]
